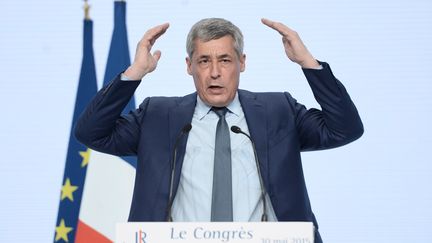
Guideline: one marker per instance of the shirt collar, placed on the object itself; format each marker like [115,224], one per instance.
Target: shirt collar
[202,109]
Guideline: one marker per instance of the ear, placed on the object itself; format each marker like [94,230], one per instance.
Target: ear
[188,65]
[242,62]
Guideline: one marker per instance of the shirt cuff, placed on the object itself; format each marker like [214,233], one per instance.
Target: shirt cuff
[320,67]
[125,78]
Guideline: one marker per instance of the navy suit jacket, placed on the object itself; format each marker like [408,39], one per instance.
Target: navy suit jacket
[280,127]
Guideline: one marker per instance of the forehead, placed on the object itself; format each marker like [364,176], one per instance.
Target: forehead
[221,46]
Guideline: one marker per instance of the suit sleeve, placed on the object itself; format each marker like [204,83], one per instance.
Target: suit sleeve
[338,121]
[102,127]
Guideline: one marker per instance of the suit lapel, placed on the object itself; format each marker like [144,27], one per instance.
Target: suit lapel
[256,119]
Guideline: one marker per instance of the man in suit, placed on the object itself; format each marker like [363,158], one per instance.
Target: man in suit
[280,127]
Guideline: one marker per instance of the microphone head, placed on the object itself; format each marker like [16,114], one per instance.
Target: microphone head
[187,128]
[235,129]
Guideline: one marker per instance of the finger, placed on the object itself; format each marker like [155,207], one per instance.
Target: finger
[272,24]
[156,55]
[159,30]
[268,22]
[156,29]
[279,27]
[154,33]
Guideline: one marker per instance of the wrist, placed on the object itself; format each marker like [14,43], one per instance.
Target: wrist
[310,63]
[134,73]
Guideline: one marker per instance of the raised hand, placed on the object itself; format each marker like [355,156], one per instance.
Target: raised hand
[294,47]
[144,61]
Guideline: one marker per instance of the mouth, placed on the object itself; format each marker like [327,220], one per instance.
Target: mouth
[215,89]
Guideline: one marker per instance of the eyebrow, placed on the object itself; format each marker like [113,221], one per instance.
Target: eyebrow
[218,57]
[224,56]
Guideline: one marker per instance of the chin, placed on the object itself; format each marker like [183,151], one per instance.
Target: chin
[218,101]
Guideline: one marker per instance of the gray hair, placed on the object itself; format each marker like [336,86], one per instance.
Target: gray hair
[212,29]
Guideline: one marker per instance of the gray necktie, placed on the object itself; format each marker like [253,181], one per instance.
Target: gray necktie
[222,209]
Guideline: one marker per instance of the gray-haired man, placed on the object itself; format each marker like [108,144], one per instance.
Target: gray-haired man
[280,127]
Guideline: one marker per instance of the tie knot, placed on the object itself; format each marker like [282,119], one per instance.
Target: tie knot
[220,111]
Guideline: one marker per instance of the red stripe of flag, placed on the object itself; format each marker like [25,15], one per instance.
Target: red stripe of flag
[86,234]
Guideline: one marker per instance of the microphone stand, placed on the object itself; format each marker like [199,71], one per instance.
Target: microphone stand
[237,130]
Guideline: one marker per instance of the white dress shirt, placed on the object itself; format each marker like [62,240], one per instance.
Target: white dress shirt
[194,195]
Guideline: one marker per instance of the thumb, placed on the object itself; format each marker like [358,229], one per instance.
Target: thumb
[156,55]
[285,41]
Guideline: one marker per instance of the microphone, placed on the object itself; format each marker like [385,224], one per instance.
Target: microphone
[237,130]
[185,130]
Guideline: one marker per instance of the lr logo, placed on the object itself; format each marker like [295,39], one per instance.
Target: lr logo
[140,236]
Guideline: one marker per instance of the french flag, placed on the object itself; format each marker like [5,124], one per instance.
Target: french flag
[97,188]
[110,179]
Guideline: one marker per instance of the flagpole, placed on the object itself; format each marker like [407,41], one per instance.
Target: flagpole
[86,10]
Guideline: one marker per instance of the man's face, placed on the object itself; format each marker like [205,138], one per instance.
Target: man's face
[215,68]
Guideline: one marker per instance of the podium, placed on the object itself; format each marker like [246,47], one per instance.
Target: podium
[212,232]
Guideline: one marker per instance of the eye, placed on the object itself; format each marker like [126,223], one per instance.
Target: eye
[203,61]
[226,60]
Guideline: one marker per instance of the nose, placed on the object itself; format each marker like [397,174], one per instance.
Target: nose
[215,70]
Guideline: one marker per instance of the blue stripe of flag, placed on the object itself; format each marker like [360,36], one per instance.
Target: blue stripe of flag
[87,88]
